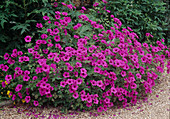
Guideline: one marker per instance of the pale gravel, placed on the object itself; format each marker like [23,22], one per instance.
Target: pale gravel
[154,108]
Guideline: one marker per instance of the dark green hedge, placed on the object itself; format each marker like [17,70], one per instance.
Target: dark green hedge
[18,18]
[143,16]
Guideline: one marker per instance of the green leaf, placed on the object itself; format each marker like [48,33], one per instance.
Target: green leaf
[19,26]
[3,38]
[16,4]
[2,22]
[83,30]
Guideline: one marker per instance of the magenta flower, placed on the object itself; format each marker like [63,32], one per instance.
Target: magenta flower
[96,101]
[18,88]
[89,99]
[149,56]
[10,61]
[93,82]
[162,40]
[63,84]
[30,50]
[47,91]
[84,75]
[74,86]
[26,58]
[79,81]
[41,91]
[108,11]
[145,45]
[5,68]
[83,70]
[36,103]
[70,6]
[83,8]
[26,78]
[57,38]
[113,90]
[123,73]
[26,72]
[27,99]
[27,39]
[107,100]
[3,84]
[64,13]
[46,18]
[6,56]
[51,55]
[69,81]
[83,97]
[75,27]
[76,74]
[99,83]
[133,101]
[20,95]
[1,66]
[133,85]
[76,36]
[46,68]
[8,77]
[148,34]
[138,75]
[78,64]
[75,95]
[43,85]
[88,104]
[70,68]
[117,63]
[66,74]
[129,29]
[95,4]
[97,69]
[143,59]
[27,91]
[34,77]
[49,95]
[13,97]
[39,25]
[100,109]
[82,92]
[20,53]
[44,36]
[110,104]
[57,16]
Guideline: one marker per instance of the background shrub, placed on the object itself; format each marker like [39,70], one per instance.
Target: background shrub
[143,16]
[18,18]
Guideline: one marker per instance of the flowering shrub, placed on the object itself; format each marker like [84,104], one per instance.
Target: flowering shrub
[79,64]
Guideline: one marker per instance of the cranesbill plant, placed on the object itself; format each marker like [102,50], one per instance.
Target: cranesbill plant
[80,64]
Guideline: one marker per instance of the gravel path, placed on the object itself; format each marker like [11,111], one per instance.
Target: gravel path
[156,107]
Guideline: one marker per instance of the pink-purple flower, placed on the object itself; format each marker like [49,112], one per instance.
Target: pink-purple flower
[28,39]
[18,88]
